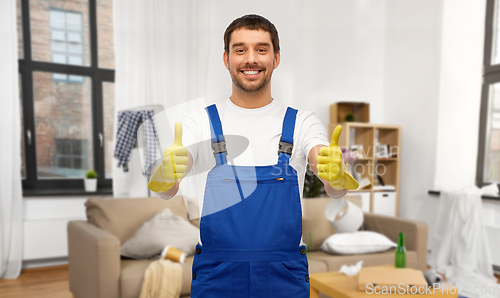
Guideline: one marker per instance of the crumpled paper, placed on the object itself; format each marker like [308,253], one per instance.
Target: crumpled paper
[351,270]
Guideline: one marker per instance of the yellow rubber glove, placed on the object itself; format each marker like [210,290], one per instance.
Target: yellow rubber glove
[331,167]
[173,165]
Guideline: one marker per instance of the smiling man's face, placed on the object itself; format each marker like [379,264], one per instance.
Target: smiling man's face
[251,59]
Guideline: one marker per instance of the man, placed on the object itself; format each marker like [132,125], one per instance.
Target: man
[251,219]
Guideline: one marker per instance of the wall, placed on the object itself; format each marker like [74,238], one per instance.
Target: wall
[460,99]
[461,73]
[340,56]
[411,97]
[44,228]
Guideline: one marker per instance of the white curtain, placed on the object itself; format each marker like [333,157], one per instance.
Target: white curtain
[160,58]
[10,145]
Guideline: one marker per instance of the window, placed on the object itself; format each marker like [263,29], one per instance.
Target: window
[70,157]
[489,136]
[62,112]
[66,82]
[66,41]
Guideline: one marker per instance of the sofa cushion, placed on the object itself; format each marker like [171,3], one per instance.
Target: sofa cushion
[122,217]
[334,262]
[165,228]
[361,242]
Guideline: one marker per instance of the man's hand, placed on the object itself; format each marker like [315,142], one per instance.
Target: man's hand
[173,167]
[331,166]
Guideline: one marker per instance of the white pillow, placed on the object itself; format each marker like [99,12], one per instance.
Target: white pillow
[165,228]
[360,242]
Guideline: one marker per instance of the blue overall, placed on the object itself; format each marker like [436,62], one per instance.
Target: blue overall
[251,248]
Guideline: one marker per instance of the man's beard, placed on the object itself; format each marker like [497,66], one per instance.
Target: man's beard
[250,89]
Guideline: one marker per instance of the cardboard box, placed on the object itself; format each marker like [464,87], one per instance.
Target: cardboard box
[388,276]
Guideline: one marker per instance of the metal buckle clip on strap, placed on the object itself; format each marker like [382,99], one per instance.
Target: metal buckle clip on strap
[286,141]
[219,147]
[285,148]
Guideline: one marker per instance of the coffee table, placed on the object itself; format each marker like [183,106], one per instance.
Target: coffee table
[339,285]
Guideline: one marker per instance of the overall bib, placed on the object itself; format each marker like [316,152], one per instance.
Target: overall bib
[251,247]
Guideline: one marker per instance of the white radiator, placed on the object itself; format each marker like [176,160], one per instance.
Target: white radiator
[493,236]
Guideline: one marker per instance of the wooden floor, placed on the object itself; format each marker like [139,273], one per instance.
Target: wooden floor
[51,282]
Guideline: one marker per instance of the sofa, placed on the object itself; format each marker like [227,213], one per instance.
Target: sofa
[97,270]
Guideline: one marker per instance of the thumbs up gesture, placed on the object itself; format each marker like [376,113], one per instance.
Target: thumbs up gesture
[173,166]
[331,166]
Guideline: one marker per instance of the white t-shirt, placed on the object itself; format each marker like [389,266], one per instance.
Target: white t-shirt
[261,127]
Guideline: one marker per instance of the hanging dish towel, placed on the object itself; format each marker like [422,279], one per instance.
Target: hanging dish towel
[128,124]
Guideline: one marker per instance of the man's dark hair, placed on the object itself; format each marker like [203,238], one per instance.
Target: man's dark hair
[252,22]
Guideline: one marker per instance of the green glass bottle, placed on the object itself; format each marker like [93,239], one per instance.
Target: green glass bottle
[401,252]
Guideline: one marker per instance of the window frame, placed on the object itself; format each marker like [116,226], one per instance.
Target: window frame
[491,75]
[32,186]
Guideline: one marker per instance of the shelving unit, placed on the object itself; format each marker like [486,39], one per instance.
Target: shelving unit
[380,201]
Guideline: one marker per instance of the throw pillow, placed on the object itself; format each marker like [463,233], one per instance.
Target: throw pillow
[122,217]
[161,230]
[361,242]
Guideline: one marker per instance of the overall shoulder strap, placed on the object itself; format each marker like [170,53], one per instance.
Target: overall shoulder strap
[218,142]
[286,142]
